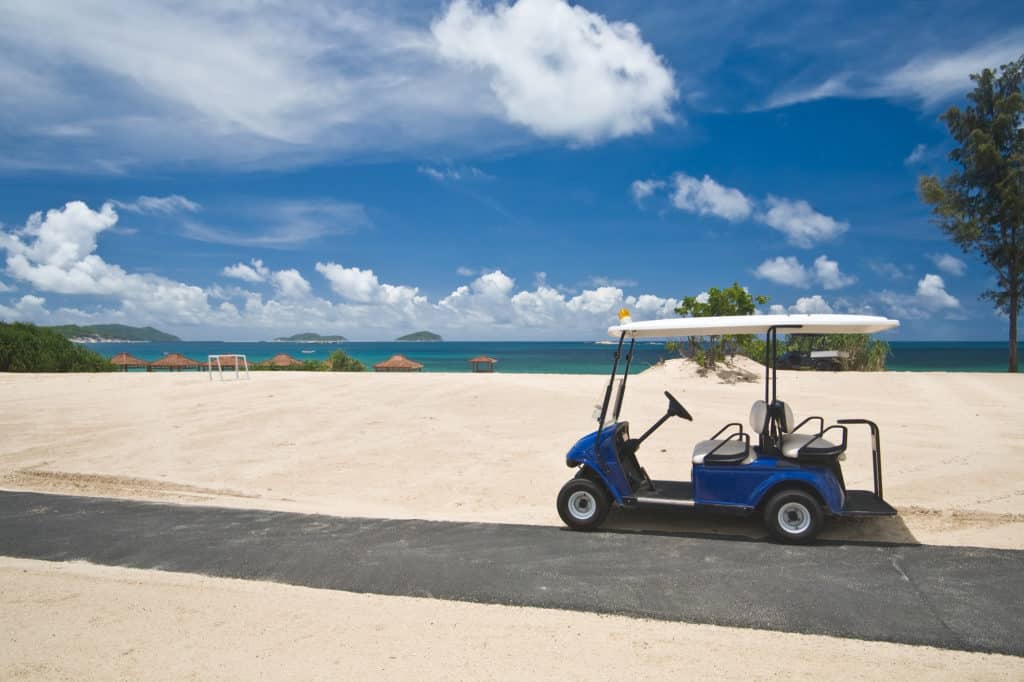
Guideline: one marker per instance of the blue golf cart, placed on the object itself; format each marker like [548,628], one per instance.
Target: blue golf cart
[788,472]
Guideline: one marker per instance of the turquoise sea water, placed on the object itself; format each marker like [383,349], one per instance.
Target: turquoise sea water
[562,357]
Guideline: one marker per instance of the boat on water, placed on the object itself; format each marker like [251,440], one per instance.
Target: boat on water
[307,350]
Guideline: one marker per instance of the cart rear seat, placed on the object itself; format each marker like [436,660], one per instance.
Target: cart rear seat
[736,448]
[807,445]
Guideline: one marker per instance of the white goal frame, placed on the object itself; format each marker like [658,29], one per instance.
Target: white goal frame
[239,360]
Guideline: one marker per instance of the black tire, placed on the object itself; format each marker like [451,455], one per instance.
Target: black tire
[583,504]
[793,516]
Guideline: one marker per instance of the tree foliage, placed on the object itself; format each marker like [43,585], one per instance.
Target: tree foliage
[339,361]
[734,300]
[980,205]
[28,348]
[864,354]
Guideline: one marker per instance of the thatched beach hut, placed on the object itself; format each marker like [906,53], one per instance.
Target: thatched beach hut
[482,363]
[398,363]
[281,360]
[176,362]
[127,362]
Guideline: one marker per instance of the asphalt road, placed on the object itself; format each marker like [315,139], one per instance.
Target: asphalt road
[950,597]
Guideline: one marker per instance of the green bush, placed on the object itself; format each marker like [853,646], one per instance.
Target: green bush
[28,348]
[865,354]
[338,361]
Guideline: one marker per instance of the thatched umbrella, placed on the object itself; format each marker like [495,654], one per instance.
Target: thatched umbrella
[398,363]
[127,362]
[482,363]
[281,360]
[176,362]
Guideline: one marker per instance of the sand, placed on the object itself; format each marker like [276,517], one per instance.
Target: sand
[491,447]
[455,447]
[114,623]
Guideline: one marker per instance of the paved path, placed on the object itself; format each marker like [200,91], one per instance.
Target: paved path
[951,597]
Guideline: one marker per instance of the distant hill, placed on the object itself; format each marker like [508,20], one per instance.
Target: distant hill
[112,332]
[310,337]
[420,336]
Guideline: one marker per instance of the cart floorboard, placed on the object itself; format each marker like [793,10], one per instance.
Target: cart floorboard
[866,503]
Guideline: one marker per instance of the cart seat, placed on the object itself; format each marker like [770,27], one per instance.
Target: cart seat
[812,445]
[726,452]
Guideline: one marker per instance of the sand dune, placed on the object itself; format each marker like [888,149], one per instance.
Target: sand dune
[491,447]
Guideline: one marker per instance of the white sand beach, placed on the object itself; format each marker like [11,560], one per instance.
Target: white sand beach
[456,447]
[491,447]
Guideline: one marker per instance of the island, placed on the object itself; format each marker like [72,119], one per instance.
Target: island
[310,337]
[111,333]
[420,336]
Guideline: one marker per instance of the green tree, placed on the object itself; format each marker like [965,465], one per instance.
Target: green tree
[339,361]
[28,348]
[734,300]
[980,205]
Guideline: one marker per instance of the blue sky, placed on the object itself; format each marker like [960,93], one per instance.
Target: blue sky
[487,171]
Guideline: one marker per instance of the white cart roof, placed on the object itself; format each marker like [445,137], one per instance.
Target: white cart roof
[755,324]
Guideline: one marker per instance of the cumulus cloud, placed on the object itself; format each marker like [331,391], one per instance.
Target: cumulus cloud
[4,288]
[641,189]
[707,197]
[782,270]
[362,286]
[886,269]
[560,70]
[951,265]
[173,203]
[255,272]
[929,298]
[290,283]
[55,253]
[810,305]
[795,218]
[828,274]
[802,225]
[931,291]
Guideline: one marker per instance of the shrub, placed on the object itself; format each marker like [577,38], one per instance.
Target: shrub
[28,348]
[338,361]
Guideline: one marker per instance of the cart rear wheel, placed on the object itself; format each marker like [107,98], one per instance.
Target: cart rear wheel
[793,516]
[583,504]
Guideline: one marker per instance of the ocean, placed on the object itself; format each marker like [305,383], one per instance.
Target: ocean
[557,357]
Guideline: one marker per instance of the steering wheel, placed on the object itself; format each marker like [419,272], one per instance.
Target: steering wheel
[675,408]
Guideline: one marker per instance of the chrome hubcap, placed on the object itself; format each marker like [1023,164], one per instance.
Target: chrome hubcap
[794,518]
[582,505]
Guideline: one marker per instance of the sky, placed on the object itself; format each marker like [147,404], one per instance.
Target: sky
[515,170]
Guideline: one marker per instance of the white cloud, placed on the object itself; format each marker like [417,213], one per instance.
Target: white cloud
[886,269]
[284,224]
[828,274]
[257,272]
[951,265]
[4,288]
[931,292]
[560,70]
[601,281]
[835,86]
[463,271]
[935,77]
[55,254]
[810,305]
[362,286]
[929,298]
[802,225]
[173,203]
[642,189]
[703,297]
[706,197]
[916,155]
[290,283]
[781,270]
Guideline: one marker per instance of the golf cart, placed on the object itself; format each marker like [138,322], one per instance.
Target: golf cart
[791,475]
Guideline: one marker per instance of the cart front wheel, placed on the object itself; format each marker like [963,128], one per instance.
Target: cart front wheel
[793,516]
[583,504]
